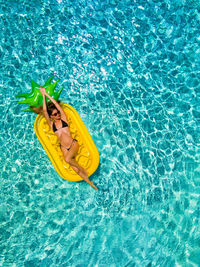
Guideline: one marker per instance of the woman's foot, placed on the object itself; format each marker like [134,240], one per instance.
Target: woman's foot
[93,186]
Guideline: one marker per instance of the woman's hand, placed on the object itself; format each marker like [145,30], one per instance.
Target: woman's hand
[42,90]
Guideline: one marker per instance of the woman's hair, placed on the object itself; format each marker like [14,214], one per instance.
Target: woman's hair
[37,110]
[50,108]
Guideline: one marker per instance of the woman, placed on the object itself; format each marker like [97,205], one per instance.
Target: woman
[59,125]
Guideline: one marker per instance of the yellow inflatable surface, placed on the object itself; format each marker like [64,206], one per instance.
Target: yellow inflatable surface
[88,155]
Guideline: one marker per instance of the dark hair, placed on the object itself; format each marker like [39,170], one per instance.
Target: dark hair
[50,108]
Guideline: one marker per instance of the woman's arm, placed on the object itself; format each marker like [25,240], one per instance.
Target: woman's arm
[42,90]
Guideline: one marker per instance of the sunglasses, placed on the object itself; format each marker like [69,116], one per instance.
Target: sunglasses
[55,114]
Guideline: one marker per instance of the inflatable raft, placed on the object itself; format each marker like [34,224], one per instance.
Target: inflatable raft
[88,155]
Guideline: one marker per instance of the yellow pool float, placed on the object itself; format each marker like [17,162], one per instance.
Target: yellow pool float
[88,155]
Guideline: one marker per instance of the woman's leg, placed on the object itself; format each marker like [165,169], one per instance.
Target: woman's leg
[69,158]
[85,177]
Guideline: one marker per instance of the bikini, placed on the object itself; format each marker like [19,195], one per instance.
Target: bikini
[64,124]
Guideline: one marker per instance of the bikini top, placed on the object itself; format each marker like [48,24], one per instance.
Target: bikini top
[64,124]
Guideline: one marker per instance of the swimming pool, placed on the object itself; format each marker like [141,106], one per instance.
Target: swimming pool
[131,70]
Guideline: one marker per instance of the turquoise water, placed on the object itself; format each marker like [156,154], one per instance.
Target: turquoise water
[131,70]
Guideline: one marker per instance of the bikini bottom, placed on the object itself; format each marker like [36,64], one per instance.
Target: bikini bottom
[68,148]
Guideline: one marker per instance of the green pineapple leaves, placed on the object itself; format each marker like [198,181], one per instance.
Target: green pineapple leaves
[35,99]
